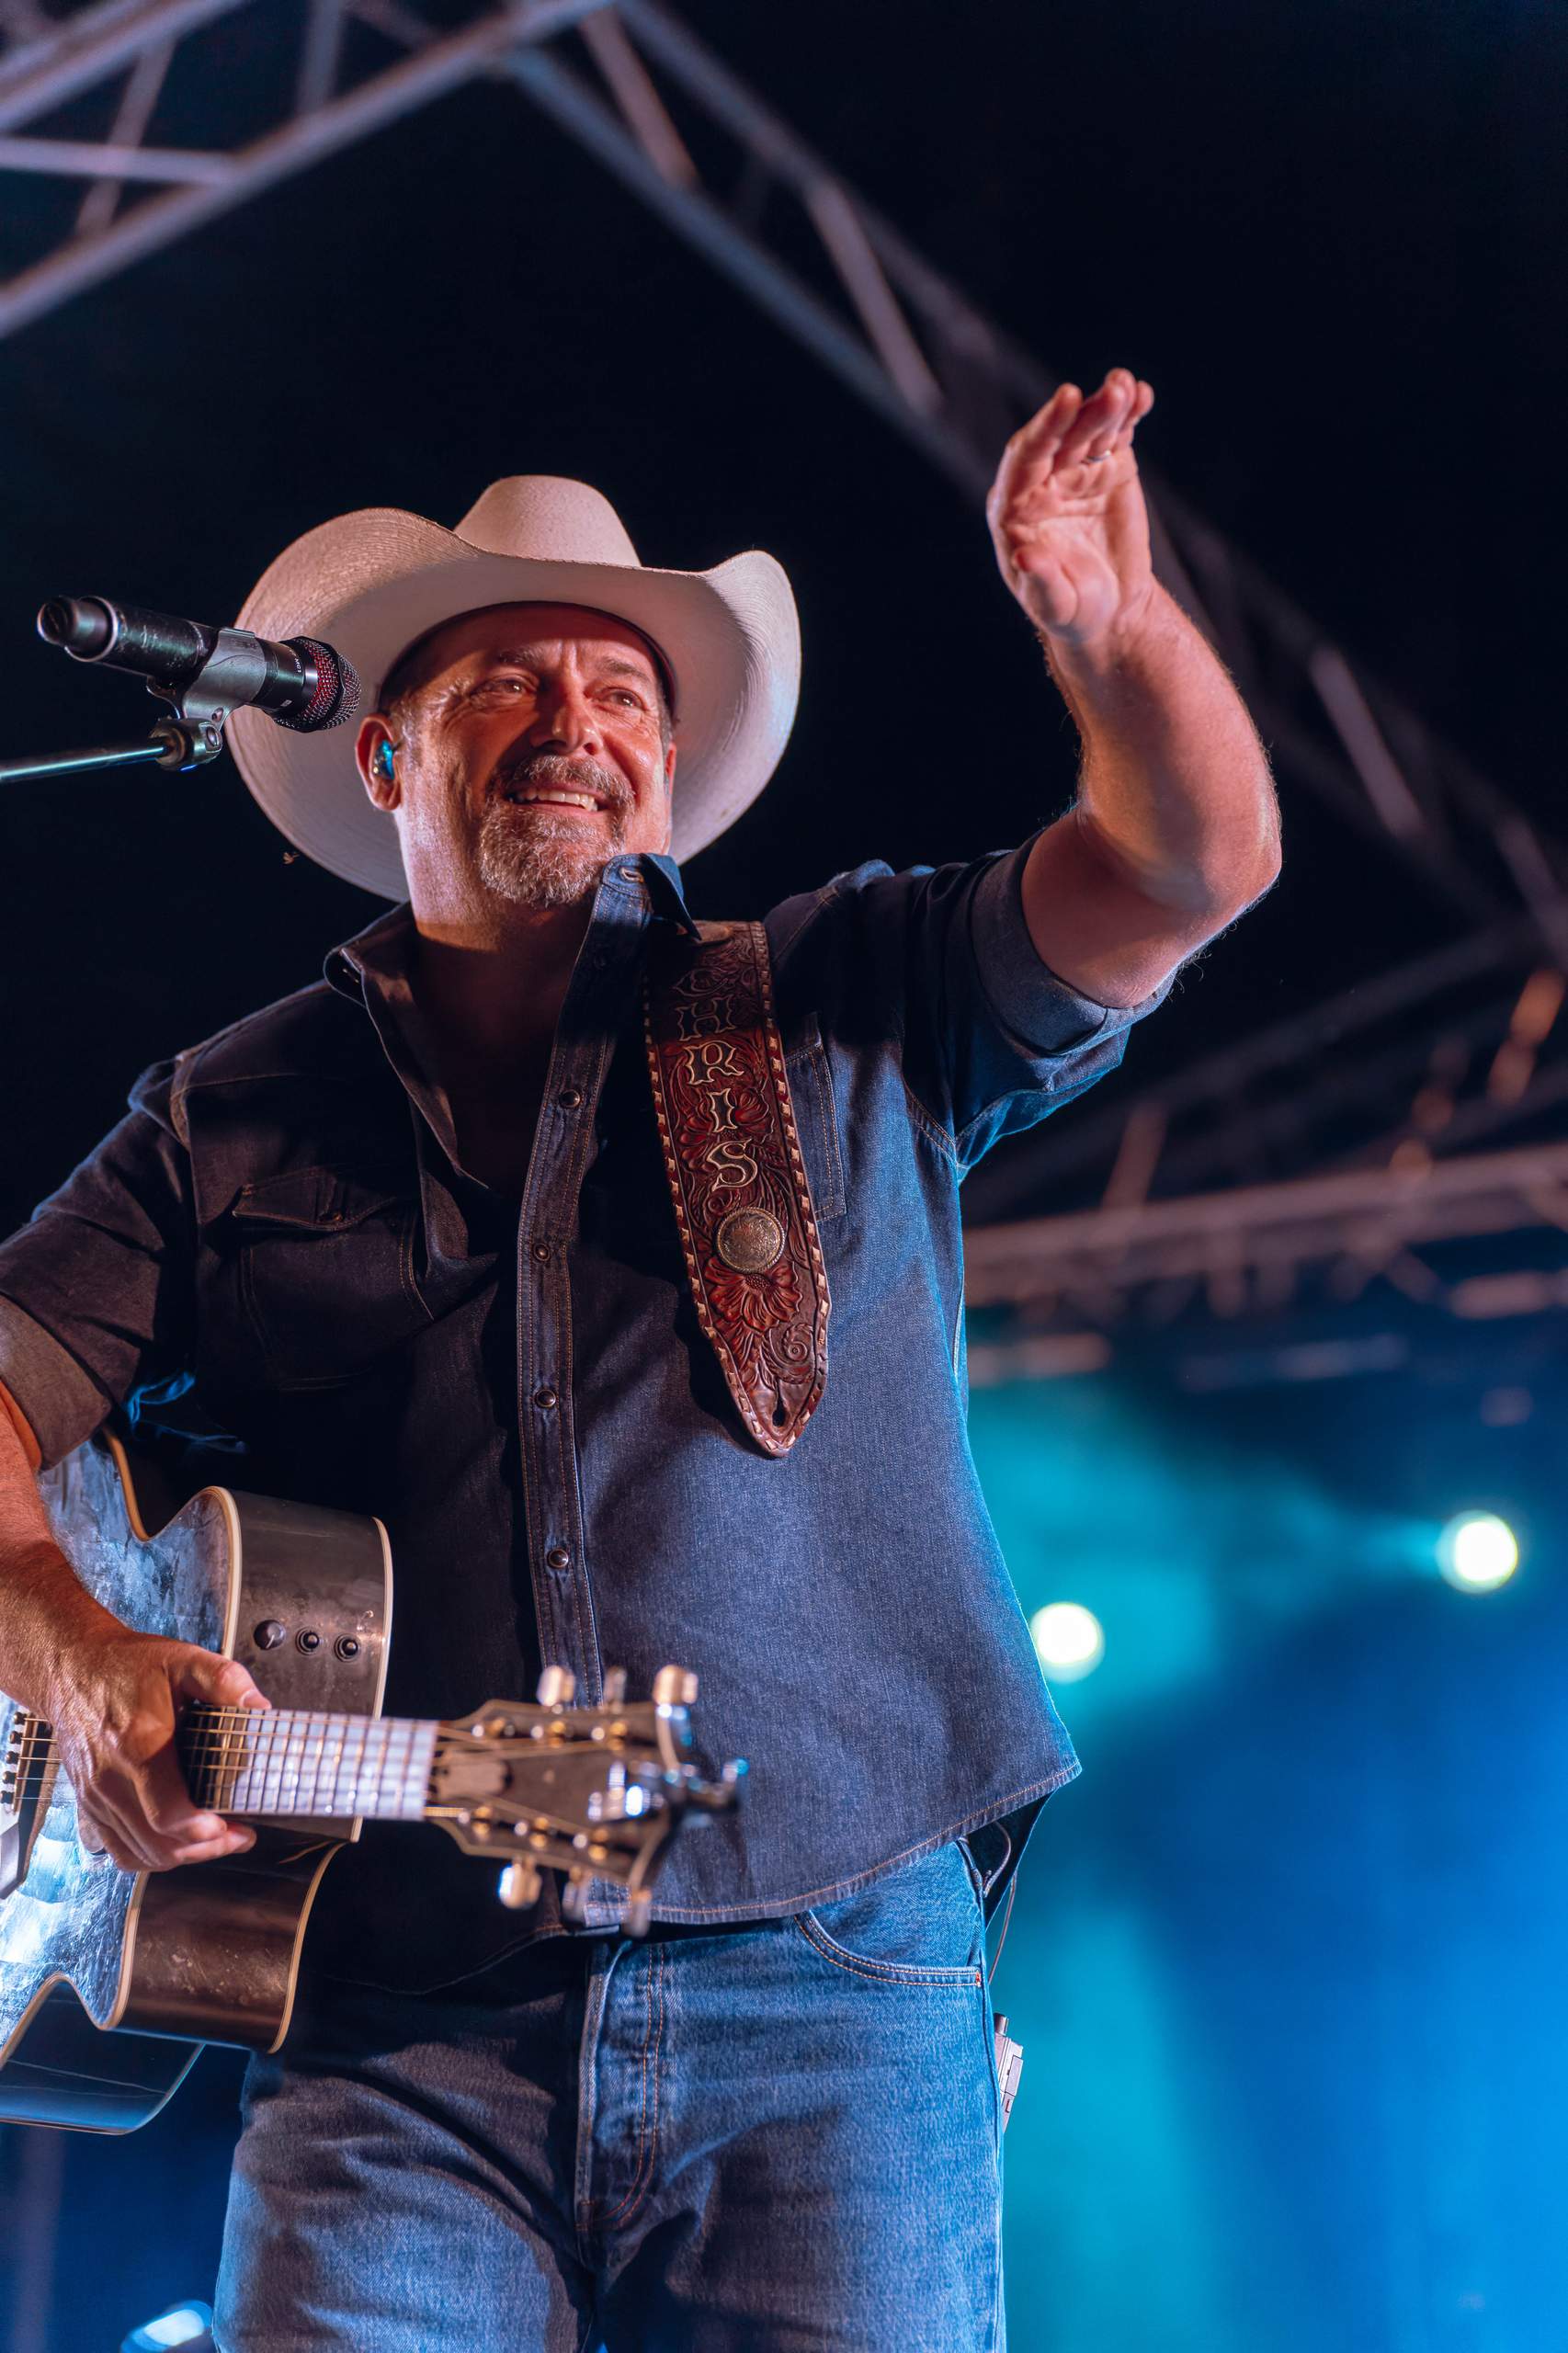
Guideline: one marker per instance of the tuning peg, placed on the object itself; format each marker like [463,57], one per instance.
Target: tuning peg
[556,1686]
[674,1687]
[639,1911]
[519,1886]
[615,1686]
[574,1897]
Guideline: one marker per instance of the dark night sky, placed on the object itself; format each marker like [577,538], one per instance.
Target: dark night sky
[1331,235]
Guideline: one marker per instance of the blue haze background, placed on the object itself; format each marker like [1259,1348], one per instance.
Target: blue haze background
[1286,1962]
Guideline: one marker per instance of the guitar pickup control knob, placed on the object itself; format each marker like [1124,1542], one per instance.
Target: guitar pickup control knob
[556,1686]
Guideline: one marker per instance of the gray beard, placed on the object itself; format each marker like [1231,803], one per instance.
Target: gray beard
[538,858]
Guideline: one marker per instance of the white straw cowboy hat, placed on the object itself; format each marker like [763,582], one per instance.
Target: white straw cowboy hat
[371,583]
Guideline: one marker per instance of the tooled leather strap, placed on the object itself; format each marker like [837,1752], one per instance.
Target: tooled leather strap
[731,1152]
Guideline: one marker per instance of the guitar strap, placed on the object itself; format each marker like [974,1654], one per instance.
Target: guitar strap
[731,1152]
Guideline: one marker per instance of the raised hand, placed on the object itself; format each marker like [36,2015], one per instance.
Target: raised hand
[1067,515]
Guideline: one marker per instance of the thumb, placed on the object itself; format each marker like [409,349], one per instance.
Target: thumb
[222,1682]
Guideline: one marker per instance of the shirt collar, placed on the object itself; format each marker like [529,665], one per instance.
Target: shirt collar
[381,951]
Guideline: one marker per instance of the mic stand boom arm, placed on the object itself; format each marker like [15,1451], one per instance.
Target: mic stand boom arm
[174,743]
[231,674]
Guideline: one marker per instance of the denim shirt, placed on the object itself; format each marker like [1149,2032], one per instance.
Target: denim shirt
[281,1230]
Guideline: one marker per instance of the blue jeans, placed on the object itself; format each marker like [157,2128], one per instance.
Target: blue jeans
[776,2138]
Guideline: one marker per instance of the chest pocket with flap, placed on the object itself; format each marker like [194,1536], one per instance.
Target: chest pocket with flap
[326,1272]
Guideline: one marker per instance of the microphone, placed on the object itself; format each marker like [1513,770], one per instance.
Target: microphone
[300,682]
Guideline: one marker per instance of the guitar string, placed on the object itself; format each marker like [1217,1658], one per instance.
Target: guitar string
[283,1748]
[409,1729]
[389,1769]
[267,1754]
[218,1751]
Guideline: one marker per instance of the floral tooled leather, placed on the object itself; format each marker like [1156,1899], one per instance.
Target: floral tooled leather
[742,1198]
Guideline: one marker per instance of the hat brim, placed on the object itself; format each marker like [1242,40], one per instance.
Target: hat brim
[371,583]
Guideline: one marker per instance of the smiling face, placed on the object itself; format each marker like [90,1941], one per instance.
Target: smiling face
[530,744]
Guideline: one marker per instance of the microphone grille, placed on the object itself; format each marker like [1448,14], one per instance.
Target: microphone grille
[337,694]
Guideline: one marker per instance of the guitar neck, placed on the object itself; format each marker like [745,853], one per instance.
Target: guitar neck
[308,1763]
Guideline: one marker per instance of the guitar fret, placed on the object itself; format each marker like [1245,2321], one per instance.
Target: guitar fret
[358,1769]
[333,1737]
[275,1765]
[380,1794]
[386,1784]
[299,1763]
[310,1763]
[372,1749]
[249,1788]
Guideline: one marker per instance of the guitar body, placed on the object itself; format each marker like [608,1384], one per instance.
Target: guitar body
[209,1953]
[111,1981]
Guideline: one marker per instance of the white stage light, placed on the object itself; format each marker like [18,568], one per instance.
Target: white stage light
[1069,1640]
[187,2325]
[1477,1551]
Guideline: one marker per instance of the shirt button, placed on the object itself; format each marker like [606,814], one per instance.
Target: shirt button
[629,874]
[569,1098]
[541,1250]
[545,1398]
[558,1557]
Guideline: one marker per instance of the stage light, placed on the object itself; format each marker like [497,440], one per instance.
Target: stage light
[1069,1640]
[187,2325]
[1477,1551]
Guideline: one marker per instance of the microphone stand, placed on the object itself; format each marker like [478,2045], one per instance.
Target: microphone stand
[232,673]
[179,744]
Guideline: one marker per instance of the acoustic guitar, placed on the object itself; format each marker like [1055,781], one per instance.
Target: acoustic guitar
[111,1981]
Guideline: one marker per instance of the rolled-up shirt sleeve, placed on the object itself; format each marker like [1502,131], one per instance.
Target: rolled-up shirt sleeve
[992,1039]
[96,1289]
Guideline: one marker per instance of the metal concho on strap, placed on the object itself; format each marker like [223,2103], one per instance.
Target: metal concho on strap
[731,1152]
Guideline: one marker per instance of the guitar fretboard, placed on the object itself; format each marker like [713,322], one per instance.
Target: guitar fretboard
[307,1762]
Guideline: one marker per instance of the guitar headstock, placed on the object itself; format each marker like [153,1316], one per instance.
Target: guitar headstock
[596,1793]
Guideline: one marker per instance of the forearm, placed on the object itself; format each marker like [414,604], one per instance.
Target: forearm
[1174,793]
[44,1609]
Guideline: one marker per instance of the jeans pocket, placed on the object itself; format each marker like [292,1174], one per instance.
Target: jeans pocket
[920,1924]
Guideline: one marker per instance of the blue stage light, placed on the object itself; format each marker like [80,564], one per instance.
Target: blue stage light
[189,2324]
[1069,1640]
[1477,1551]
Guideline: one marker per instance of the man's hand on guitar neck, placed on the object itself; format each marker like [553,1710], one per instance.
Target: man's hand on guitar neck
[112,1695]
[113,1703]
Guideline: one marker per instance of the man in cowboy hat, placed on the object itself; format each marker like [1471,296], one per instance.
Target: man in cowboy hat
[413,1234]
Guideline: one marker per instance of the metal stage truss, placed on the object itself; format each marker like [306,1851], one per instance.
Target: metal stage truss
[1460,1047]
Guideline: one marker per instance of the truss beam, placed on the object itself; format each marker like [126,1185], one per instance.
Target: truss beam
[1420,798]
[1330,1278]
[1374,1211]
[910,345]
[225,180]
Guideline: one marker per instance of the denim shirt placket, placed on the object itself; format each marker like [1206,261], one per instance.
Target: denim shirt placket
[593,1013]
